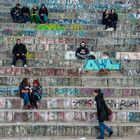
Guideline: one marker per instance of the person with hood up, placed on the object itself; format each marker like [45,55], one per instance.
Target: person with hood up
[102,113]
[83,53]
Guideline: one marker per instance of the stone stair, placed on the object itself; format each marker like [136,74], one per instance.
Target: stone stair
[67,107]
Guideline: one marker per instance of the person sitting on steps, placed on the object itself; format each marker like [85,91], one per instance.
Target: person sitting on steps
[35,18]
[83,53]
[19,52]
[36,94]
[43,13]
[16,13]
[24,89]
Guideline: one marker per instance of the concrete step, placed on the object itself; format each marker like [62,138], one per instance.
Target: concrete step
[75,81]
[136,137]
[72,27]
[94,44]
[63,129]
[68,118]
[74,92]
[72,104]
[39,29]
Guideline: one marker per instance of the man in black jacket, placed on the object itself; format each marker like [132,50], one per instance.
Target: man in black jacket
[83,53]
[19,52]
[16,13]
[25,12]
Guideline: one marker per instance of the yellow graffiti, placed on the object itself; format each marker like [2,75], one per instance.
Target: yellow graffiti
[76,27]
[30,55]
[50,27]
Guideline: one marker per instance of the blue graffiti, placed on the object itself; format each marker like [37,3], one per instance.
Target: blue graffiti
[67,91]
[101,64]
[134,117]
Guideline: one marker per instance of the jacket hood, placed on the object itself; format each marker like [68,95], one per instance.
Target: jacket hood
[84,43]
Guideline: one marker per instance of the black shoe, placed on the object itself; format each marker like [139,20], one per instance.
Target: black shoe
[99,137]
[110,133]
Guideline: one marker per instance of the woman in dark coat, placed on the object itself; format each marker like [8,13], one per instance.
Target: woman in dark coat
[43,13]
[114,18]
[102,113]
[106,19]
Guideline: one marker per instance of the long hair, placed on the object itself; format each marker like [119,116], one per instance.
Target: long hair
[25,81]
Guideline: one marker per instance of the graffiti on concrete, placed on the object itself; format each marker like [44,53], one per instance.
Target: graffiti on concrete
[101,64]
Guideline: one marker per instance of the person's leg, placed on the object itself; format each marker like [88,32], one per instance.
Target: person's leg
[81,56]
[32,18]
[31,98]
[45,18]
[35,99]
[101,127]
[15,58]
[23,58]
[108,129]
[38,19]
[114,25]
[87,56]
[25,98]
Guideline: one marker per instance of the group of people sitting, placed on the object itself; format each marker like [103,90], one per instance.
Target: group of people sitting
[30,94]
[109,19]
[24,15]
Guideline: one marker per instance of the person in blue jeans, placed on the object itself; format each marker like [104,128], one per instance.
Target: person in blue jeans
[102,113]
[24,89]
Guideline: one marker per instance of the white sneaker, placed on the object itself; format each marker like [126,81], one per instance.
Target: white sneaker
[13,66]
[25,65]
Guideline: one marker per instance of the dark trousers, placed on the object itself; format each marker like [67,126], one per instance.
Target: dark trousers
[15,58]
[108,24]
[114,24]
[16,18]
[26,17]
[34,99]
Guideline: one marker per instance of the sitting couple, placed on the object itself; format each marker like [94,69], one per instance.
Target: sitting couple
[30,94]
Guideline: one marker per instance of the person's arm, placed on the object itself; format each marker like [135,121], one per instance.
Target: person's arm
[12,11]
[77,51]
[99,104]
[40,12]
[29,11]
[86,50]
[24,49]
[116,17]
[46,12]
[15,51]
